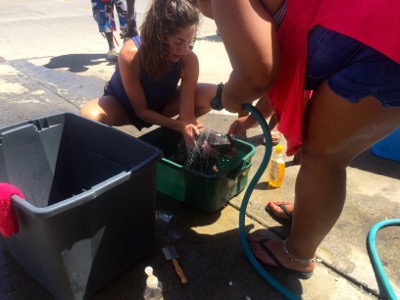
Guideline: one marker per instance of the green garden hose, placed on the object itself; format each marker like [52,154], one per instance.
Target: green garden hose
[383,282]
[242,213]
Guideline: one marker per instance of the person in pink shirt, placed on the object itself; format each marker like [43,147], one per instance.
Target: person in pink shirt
[347,53]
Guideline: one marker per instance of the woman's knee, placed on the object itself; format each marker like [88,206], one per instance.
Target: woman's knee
[204,93]
[323,157]
[107,110]
[92,110]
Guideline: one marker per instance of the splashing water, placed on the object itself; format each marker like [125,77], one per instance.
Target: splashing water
[209,153]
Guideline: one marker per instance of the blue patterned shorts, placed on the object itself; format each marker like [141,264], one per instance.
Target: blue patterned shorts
[103,14]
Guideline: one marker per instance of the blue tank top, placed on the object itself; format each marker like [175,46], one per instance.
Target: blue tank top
[157,92]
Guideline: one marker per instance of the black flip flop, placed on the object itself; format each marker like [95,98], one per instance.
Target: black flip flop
[279,219]
[301,275]
[273,142]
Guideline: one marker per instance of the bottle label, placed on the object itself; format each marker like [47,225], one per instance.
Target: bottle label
[274,173]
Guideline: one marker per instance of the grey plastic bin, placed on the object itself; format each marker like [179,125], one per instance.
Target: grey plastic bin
[90,192]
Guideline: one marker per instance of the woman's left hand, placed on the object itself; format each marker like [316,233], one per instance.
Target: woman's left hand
[239,126]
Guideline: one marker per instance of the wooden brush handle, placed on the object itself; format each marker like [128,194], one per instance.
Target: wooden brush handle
[179,271]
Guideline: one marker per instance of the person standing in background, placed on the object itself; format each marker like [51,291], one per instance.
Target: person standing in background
[103,14]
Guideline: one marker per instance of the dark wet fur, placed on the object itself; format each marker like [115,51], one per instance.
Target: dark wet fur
[198,160]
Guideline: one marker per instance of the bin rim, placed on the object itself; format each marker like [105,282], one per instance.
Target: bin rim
[244,161]
[74,201]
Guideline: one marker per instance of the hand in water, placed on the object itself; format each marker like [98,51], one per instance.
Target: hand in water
[238,126]
[189,134]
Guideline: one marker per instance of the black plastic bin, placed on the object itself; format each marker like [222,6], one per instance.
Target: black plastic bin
[90,192]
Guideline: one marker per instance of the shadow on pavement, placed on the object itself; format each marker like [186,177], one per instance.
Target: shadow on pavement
[77,63]
[210,253]
[367,161]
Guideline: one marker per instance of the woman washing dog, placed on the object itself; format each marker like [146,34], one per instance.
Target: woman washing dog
[144,89]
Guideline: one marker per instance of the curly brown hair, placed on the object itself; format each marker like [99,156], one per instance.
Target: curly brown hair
[164,18]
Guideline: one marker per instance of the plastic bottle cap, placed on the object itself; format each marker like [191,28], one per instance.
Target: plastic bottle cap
[152,281]
[279,149]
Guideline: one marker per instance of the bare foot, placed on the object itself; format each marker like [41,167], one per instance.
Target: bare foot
[271,253]
[281,209]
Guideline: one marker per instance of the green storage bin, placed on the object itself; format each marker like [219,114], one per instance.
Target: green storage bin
[207,193]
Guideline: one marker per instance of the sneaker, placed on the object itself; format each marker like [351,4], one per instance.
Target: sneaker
[112,55]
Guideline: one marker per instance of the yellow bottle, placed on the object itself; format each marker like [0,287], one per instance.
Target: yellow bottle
[276,170]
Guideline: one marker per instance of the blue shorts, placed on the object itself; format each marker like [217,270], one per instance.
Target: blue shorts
[353,69]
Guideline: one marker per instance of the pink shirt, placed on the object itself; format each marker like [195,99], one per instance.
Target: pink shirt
[373,22]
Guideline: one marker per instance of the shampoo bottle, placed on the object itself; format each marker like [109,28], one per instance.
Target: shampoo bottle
[276,170]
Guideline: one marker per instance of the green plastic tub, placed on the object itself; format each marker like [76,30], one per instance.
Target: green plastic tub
[208,193]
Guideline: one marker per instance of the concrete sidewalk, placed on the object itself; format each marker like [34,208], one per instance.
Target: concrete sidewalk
[52,60]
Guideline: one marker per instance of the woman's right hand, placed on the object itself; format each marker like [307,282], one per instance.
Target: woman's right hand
[189,133]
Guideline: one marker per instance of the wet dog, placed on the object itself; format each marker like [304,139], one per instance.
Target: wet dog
[204,156]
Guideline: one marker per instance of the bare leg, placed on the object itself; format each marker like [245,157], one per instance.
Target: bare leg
[204,93]
[112,54]
[110,40]
[335,131]
[107,110]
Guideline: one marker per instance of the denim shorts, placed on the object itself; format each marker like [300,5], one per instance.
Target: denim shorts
[353,70]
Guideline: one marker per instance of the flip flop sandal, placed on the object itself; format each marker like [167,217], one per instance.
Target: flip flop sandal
[284,209]
[301,275]
[275,141]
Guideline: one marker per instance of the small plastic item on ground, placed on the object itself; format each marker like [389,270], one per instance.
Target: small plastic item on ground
[167,227]
[154,287]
